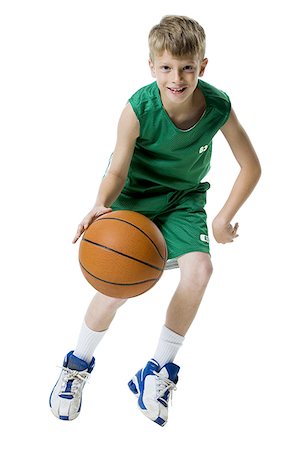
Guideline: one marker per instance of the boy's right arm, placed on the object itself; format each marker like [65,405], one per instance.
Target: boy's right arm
[116,176]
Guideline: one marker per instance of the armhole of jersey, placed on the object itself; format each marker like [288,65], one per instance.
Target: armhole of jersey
[133,106]
[136,112]
[227,115]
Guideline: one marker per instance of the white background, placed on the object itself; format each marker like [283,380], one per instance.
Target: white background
[67,69]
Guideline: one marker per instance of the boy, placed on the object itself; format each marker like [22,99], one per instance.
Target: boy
[162,155]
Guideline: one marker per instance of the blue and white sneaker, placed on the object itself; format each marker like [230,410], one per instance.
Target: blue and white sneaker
[66,397]
[152,385]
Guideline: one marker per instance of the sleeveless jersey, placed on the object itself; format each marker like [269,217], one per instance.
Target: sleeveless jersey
[165,157]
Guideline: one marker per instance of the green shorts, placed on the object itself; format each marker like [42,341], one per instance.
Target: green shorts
[179,215]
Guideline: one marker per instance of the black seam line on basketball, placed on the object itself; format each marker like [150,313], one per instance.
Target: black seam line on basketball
[135,226]
[118,284]
[123,254]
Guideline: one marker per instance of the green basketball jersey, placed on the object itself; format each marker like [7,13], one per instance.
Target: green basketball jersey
[166,157]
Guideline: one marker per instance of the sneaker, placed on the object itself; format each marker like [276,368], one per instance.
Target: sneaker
[152,385]
[66,397]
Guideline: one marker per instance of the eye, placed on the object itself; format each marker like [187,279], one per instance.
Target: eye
[165,68]
[189,68]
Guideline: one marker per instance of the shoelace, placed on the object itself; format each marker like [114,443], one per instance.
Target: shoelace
[164,385]
[78,377]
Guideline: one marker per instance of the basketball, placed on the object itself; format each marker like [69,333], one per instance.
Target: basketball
[122,254]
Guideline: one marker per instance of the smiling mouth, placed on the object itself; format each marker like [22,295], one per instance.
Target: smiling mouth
[177,91]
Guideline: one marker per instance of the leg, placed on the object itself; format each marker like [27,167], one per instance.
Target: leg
[195,272]
[101,311]
[152,385]
[66,397]
[184,228]
[99,316]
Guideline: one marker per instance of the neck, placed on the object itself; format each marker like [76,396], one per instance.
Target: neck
[181,108]
[187,107]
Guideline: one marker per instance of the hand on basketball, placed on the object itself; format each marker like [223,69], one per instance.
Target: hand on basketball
[93,215]
[224,232]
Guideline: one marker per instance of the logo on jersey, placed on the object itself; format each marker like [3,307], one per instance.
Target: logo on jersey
[204,238]
[203,148]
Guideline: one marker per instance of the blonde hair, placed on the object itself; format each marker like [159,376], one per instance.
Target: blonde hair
[179,35]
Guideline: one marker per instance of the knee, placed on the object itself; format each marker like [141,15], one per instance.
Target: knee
[208,270]
[198,276]
[203,273]
[111,302]
[117,302]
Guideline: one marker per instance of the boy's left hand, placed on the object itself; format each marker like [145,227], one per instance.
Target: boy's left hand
[224,232]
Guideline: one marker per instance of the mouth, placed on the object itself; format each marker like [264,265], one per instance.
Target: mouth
[177,91]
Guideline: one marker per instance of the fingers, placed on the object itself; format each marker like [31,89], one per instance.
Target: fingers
[78,233]
[95,214]
[82,227]
[235,230]
[229,234]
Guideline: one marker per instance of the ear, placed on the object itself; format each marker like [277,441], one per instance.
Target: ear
[151,65]
[203,65]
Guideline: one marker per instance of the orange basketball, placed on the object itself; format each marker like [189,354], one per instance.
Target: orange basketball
[122,254]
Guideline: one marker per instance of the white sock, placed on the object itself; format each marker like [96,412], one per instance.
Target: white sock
[87,343]
[168,346]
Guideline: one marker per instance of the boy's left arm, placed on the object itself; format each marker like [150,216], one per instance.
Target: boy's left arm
[250,171]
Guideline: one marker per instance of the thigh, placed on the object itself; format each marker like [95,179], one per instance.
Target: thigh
[149,206]
[184,226]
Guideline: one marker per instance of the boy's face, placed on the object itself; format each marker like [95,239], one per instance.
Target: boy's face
[177,77]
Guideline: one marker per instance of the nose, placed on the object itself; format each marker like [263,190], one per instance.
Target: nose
[177,75]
